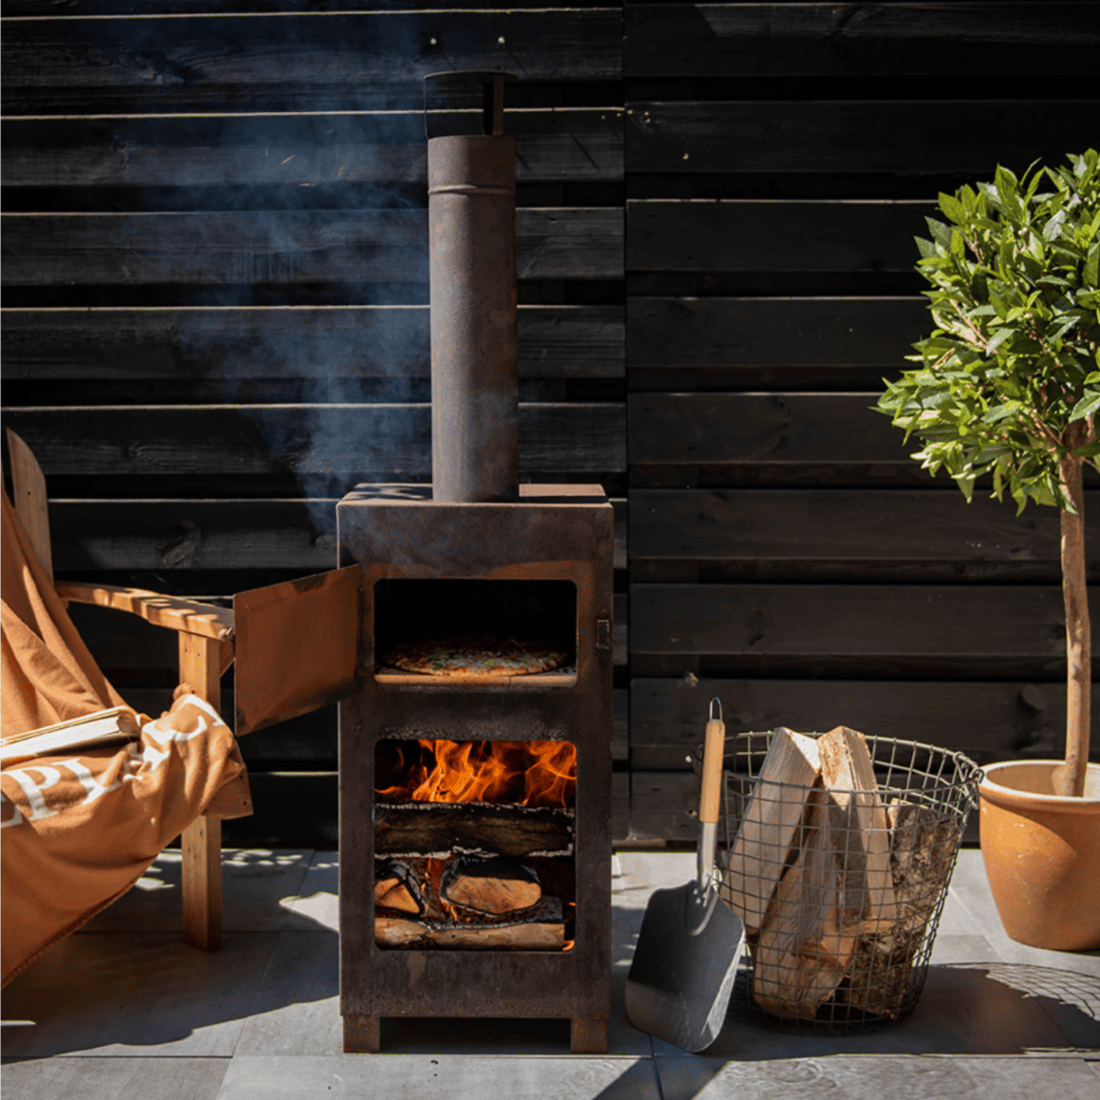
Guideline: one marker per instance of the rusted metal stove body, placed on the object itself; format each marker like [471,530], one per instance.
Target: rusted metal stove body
[477,552]
[550,536]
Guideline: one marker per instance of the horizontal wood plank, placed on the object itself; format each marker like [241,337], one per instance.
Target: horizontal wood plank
[208,535]
[284,247]
[303,150]
[860,525]
[323,342]
[750,235]
[896,136]
[359,60]
[944,622]
[985,720]
[861,39]
[725,333]
[348,442]
[756,429]
[663,806]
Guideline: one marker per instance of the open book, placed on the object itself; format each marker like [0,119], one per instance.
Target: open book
[103,727]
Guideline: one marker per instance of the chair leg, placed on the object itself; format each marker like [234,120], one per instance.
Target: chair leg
[201,843]
[200,666]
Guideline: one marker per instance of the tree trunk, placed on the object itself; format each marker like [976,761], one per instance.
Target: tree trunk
[1070,779]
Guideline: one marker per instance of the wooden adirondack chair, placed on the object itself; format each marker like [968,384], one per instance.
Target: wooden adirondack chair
[206,646]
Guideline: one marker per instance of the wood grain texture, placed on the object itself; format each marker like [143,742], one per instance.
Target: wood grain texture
[202,884]
[324,343]
[750,235]
[749,333]
[337,60]
[849,525]
[304,150]
[946,622]
[284,247]
[231,534]
[754,863]
[848,773]
[365,442]
[30,501]
[663,805]
[854,136]
[206,621]
[758,429]
[986,720]
[862,39]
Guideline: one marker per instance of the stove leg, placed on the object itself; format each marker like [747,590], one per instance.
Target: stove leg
[588,1035]
[362,1034]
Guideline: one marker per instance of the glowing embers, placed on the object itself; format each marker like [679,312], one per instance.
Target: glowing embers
[474,844]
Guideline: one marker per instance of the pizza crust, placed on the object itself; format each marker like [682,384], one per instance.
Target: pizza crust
[476,655]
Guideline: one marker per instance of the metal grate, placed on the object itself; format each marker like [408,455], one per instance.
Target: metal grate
[847,916]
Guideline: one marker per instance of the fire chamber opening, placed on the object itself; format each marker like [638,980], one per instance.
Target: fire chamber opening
[518,773]
[474,845]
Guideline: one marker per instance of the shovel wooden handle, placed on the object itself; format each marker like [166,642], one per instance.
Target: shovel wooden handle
[714,746]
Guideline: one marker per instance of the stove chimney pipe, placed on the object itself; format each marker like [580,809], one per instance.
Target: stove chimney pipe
[472,241]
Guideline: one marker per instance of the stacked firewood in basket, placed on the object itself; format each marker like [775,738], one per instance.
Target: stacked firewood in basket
[834,877]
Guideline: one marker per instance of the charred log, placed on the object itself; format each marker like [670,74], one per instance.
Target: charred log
[427,828]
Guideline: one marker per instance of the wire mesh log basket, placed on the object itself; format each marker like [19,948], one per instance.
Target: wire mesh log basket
[837,850]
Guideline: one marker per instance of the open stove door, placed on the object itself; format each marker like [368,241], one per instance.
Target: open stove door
[297,646]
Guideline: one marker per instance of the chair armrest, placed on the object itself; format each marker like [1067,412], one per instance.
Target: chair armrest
[174,612]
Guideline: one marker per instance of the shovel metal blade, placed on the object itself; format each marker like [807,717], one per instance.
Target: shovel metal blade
[684,967]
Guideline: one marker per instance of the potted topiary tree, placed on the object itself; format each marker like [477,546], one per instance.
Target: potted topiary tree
[1008,385]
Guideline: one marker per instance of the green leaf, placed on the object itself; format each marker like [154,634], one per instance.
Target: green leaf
[1092,267]
[941,233]
[1085,407]
[927,248]
[952,207]
[1009,408]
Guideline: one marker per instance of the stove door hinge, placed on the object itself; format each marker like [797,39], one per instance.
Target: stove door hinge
[603,633]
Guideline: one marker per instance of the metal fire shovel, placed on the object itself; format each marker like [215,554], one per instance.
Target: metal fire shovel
[686,959]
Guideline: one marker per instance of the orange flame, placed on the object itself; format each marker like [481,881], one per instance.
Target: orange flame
[527,773]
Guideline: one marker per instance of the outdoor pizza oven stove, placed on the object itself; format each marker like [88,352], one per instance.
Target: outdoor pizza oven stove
[477,553]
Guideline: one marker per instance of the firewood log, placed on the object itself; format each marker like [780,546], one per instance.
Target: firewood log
[539,928]
[489,884]
[754,865]
[399,884]
[427,828]
[922,845]
[860,825]
[803,954]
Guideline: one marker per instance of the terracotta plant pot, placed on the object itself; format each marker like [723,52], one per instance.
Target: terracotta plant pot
[1042,854]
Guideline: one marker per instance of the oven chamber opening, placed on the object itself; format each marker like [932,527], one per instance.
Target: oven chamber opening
[412,610]
[475,845]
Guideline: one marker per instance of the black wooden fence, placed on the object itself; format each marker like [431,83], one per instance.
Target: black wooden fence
[215,322]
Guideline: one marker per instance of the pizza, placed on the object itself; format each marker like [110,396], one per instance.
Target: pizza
[476,655]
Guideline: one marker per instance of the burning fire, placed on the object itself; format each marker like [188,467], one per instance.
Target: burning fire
[526,773]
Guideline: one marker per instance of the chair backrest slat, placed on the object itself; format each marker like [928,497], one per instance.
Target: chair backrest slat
[29,492]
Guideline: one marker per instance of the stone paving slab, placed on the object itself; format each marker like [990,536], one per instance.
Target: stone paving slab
[144,993]
[446,1077]
[114,1078]
[318,895]
[265,886]
[138,1012]
[876,1077]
